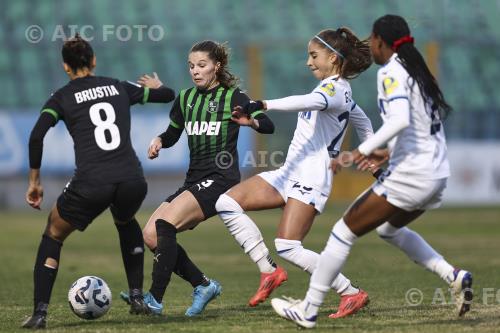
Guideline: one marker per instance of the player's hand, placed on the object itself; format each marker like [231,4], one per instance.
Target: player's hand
[150,82]
[335,166]
[34,195]
[154,148]
[357,157]
[252,106]
[376,159]
[241,118]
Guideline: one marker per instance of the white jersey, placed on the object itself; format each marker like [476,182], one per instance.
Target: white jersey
[321,125]
[420,148]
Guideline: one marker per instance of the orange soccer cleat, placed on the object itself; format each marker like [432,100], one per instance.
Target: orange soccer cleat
[268,282]
[350,304]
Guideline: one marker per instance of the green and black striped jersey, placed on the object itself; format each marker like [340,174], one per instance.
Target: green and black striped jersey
[212,136]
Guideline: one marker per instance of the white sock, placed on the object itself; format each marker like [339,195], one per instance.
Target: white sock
[245,232]
[330,264]
[417,249]
[293,252]
[349,290]
[265,264]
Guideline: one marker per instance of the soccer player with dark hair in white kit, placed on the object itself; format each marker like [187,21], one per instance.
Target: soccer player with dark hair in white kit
[411,106]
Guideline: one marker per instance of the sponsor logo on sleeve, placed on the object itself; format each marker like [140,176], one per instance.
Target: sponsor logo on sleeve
[328,88]
[390,84]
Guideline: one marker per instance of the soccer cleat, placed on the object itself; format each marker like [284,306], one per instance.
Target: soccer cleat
[350,304]
[138,306]
[201,296]
[155,307]
[461,287]
[125,297]
[35,322]
[268,282]
[292,310]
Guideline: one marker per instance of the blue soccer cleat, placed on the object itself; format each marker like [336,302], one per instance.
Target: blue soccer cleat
[155,307]
[201,296]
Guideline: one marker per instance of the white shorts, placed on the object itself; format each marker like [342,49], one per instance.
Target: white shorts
[294,189]
[409,193]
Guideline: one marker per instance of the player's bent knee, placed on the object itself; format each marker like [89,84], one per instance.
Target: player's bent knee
[118,222]
[288,249]
[388,231]
[149,237]
[53,233]
[293,251]
[227,206]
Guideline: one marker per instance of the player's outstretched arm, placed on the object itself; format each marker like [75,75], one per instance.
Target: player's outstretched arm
[256,120]
[246,112]
[154,90]
[152,82]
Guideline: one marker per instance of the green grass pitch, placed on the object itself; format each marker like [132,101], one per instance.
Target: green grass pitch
[467,237]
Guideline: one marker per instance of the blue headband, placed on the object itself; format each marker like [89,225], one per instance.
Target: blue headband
[329,46]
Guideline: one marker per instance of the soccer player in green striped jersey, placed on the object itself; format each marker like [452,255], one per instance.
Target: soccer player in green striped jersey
[205,113]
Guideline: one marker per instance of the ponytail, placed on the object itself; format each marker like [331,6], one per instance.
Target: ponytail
[353,54]
[395,32]
[77,53]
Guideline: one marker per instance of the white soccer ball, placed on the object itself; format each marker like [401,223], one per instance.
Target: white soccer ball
[89,297]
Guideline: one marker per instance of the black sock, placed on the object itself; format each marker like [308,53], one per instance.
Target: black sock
[187,270]
[165,258]
[43,276]
[132,247]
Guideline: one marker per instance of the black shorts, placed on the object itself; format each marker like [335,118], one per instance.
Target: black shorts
[206,191]
[81,202]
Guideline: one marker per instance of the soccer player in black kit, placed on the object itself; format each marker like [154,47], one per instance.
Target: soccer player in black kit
[96,112]
[204,112]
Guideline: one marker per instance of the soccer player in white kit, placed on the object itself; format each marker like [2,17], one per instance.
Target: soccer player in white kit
[411,105]
[302,185]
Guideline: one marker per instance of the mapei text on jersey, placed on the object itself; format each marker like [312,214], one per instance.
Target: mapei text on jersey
[202,127]
[95,93]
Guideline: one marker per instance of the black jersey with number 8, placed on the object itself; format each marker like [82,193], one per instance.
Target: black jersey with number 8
[96,111]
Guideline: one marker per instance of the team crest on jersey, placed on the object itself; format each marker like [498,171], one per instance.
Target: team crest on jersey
[390,84]
[328,88]
[213,106]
